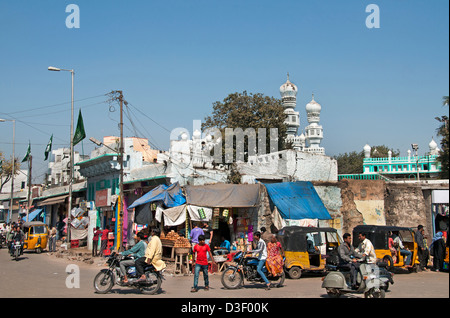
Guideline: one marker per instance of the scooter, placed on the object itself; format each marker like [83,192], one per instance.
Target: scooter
[370,281]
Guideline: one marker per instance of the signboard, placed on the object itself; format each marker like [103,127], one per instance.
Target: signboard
[103,198]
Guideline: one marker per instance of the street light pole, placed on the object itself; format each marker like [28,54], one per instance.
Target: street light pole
[69,207]
[415,147]
[13,169]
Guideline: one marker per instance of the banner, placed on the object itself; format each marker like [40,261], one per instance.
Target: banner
[48,148]
[80,134]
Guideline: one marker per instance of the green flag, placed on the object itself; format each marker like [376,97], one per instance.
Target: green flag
[80,134]
[48,148]
[27,156]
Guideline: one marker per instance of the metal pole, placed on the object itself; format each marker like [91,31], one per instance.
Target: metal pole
[69,208]
[13,171]
[121,150]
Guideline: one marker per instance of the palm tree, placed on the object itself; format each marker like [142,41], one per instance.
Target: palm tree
[445,144]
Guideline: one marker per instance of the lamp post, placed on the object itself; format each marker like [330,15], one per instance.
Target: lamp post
[13,167]
[415,147]
[55,69]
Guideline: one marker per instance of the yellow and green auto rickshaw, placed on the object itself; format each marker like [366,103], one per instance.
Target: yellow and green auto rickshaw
[379,236]
[36,236]
[308,249]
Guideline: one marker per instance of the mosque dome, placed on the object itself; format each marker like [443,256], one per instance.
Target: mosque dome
[313,106]
[288,89]
[367,150]
[433,145]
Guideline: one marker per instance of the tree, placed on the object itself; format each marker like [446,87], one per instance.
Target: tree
[352,162]
[242,110]
[443,132]
[6,170]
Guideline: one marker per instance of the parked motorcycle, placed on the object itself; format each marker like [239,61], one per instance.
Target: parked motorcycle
[107,278]
[16,250]
[2,239]
[372,280]
[233,276]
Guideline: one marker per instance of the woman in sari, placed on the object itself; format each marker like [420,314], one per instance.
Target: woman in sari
[274,262]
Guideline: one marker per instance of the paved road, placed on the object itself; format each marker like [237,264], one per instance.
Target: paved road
[45,276]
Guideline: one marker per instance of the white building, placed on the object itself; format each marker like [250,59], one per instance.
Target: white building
[314,132]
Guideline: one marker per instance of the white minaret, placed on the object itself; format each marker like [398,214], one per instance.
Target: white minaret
[314,131]
[288,92]
[434,150]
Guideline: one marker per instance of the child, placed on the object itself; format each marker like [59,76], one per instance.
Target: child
[201,262]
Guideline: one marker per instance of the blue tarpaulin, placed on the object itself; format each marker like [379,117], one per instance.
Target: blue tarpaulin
[171,196]
[32,215]
[297,200]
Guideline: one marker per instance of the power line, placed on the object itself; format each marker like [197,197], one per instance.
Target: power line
[54,105]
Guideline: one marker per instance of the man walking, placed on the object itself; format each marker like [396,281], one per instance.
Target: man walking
[422,249]
[199,257]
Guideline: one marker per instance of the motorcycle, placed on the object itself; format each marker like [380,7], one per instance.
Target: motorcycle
[2,239]
[372,280]
[233,276]
[16,250]
[107,278]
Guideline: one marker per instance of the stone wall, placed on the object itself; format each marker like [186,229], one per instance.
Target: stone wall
[405,205]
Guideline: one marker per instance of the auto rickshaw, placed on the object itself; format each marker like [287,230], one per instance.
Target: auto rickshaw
[308,249]
[36,236]
[379,236]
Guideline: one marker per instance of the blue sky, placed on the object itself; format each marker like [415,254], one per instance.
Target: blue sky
[174,59]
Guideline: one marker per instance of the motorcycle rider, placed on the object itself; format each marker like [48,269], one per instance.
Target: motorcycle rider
[348,258]
[261,250]
[138,250]
[153,255]
[17,235]
[366,248]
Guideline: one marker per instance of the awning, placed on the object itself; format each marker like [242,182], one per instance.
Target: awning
[32,215]
[297,200]
[177,215]
[171,196]
[53,200]
[222,195]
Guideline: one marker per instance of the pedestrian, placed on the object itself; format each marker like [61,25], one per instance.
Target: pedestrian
[266,236]
[199,257]
[195,233]
[275,263]
[104,243]
[52,240]
[261,254]
[153,255]
[97,233]
[437,250]
[422,248]
[208,235]
[208,232]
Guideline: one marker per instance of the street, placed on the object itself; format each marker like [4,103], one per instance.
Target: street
[44,276]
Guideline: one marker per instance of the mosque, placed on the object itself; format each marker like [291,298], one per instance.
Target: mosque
[314,132]
[189,160]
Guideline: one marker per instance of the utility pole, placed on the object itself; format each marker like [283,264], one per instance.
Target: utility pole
[30,163]
[118,95]
[121,197]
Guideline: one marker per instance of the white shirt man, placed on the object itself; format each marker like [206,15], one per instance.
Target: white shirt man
[366,248]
